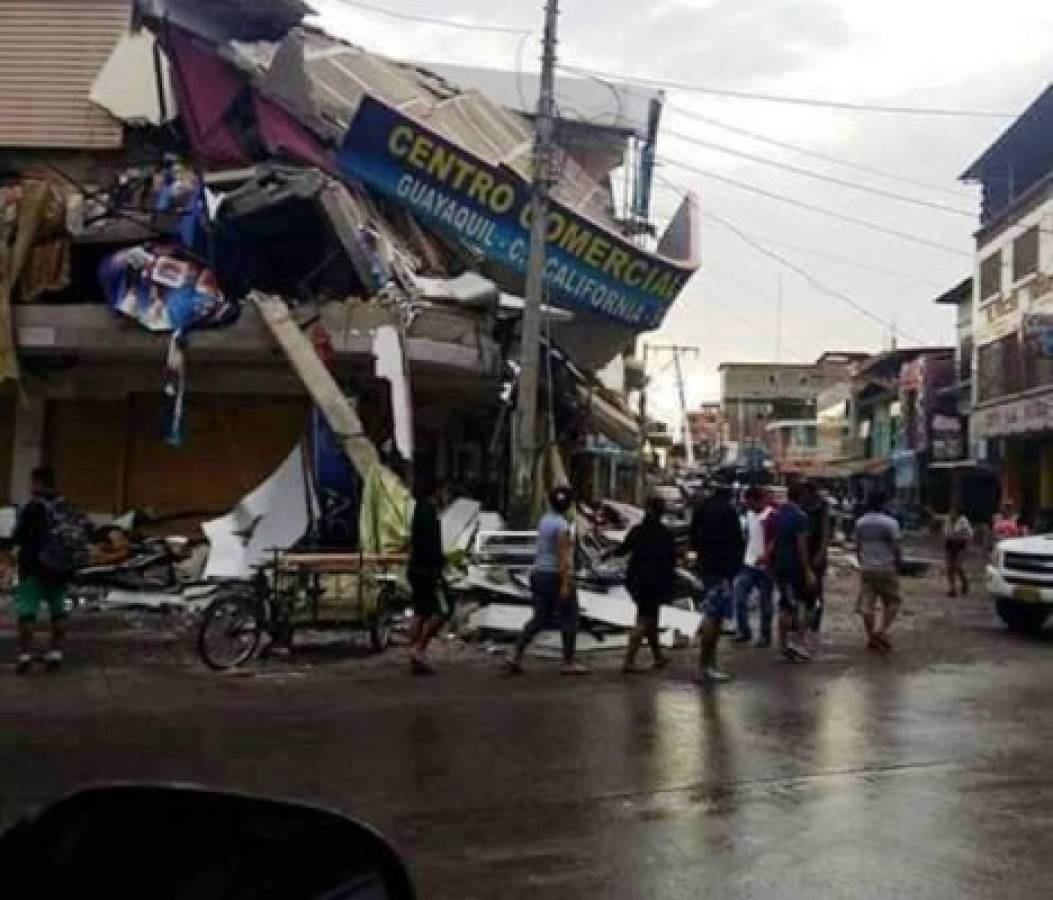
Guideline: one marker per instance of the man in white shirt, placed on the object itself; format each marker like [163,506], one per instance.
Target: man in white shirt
[877,542]
[754,575]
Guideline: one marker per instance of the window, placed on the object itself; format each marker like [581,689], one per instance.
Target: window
[1025,254]
[999,368]
[991,276]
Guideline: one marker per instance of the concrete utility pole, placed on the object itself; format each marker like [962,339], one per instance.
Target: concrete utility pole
[525,433]
[676,350]
[641,459]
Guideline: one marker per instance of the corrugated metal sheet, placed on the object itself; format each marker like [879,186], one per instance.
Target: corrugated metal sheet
[50,53]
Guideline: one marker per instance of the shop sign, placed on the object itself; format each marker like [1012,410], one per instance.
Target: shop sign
[487,208]
[1038,333]
[1019,417]
[948,438]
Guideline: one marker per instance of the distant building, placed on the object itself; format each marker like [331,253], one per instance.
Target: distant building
[794,448]
[706,426]
[1012,309]
[755,395]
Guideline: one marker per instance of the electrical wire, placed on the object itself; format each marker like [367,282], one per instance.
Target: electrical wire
[907,278]
[815,154]
[811,207]
[753,325]
[431,20]
[819,176]
[799,270]
[786,98]
[815,282]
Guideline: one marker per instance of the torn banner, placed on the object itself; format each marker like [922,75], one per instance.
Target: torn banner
[273,516]
[154,286]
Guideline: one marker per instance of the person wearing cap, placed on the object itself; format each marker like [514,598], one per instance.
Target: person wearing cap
[720,547]
[552,585]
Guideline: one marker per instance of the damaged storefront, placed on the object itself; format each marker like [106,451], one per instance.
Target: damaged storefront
[251,155]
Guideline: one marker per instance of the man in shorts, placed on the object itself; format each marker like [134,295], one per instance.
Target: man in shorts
[794,577]
[424,572]
[650,577]
[36,587]
[720,547]
[877,542]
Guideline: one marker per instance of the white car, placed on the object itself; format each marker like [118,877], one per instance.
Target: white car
[1020,579]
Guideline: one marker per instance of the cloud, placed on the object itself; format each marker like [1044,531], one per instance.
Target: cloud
[728,42]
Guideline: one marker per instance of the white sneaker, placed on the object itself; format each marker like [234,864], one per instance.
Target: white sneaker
[53,659]
[23,663]
[797,652]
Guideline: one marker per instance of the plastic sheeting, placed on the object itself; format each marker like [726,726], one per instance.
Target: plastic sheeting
[384,520]
[273,516]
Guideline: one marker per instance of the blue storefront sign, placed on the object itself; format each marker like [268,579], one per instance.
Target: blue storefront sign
[487,208]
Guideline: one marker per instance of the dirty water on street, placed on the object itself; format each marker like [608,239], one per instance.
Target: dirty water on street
[924,775]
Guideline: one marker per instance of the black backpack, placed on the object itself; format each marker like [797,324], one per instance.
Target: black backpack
[66,547]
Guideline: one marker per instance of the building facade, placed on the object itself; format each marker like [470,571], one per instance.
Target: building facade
[754,395]
[1012,392]
[706,426]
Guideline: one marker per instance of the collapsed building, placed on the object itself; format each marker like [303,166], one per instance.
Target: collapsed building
[162,162]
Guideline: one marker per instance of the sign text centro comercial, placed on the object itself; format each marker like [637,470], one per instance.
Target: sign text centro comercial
[488,209]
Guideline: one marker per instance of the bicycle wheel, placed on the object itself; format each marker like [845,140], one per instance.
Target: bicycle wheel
[230,632]
[381,625]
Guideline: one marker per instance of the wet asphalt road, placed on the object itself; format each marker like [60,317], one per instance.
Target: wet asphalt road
[926,775]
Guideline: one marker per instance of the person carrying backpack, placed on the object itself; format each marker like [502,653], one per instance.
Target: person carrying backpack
[48,538]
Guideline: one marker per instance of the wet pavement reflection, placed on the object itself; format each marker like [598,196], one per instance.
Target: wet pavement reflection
[923,776]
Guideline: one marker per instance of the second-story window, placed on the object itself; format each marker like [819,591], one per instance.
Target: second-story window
[1025,254]
[991,276]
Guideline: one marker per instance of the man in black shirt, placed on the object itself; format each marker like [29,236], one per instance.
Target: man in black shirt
[36,585]
[649,578]
[817,509]
[426,563]
[720,546]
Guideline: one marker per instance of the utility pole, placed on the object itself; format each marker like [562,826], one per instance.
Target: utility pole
[676,350]
[641,458]
[525,433]
[778,321]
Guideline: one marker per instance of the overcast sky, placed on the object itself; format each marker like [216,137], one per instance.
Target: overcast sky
[928,53]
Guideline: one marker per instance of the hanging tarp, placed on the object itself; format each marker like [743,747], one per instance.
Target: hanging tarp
[384,520]
[337,486]
[165,293]
[486,206]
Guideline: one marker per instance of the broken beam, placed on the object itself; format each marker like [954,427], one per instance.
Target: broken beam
[318,380]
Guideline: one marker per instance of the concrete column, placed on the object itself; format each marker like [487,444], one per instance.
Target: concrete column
[28,450]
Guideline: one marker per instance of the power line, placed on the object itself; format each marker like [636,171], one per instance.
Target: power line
[430,20]
[786,98]
[815,154]
[822,210]
[844,260]
[905,277]
[819,176]
[812,280]
[753,325]
[756,245]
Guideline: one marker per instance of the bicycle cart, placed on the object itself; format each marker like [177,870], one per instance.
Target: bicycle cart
[302,590]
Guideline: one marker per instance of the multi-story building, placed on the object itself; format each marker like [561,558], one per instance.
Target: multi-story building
[836,430]
[754,395]
[1012,391]
[794,448]
[108,160]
